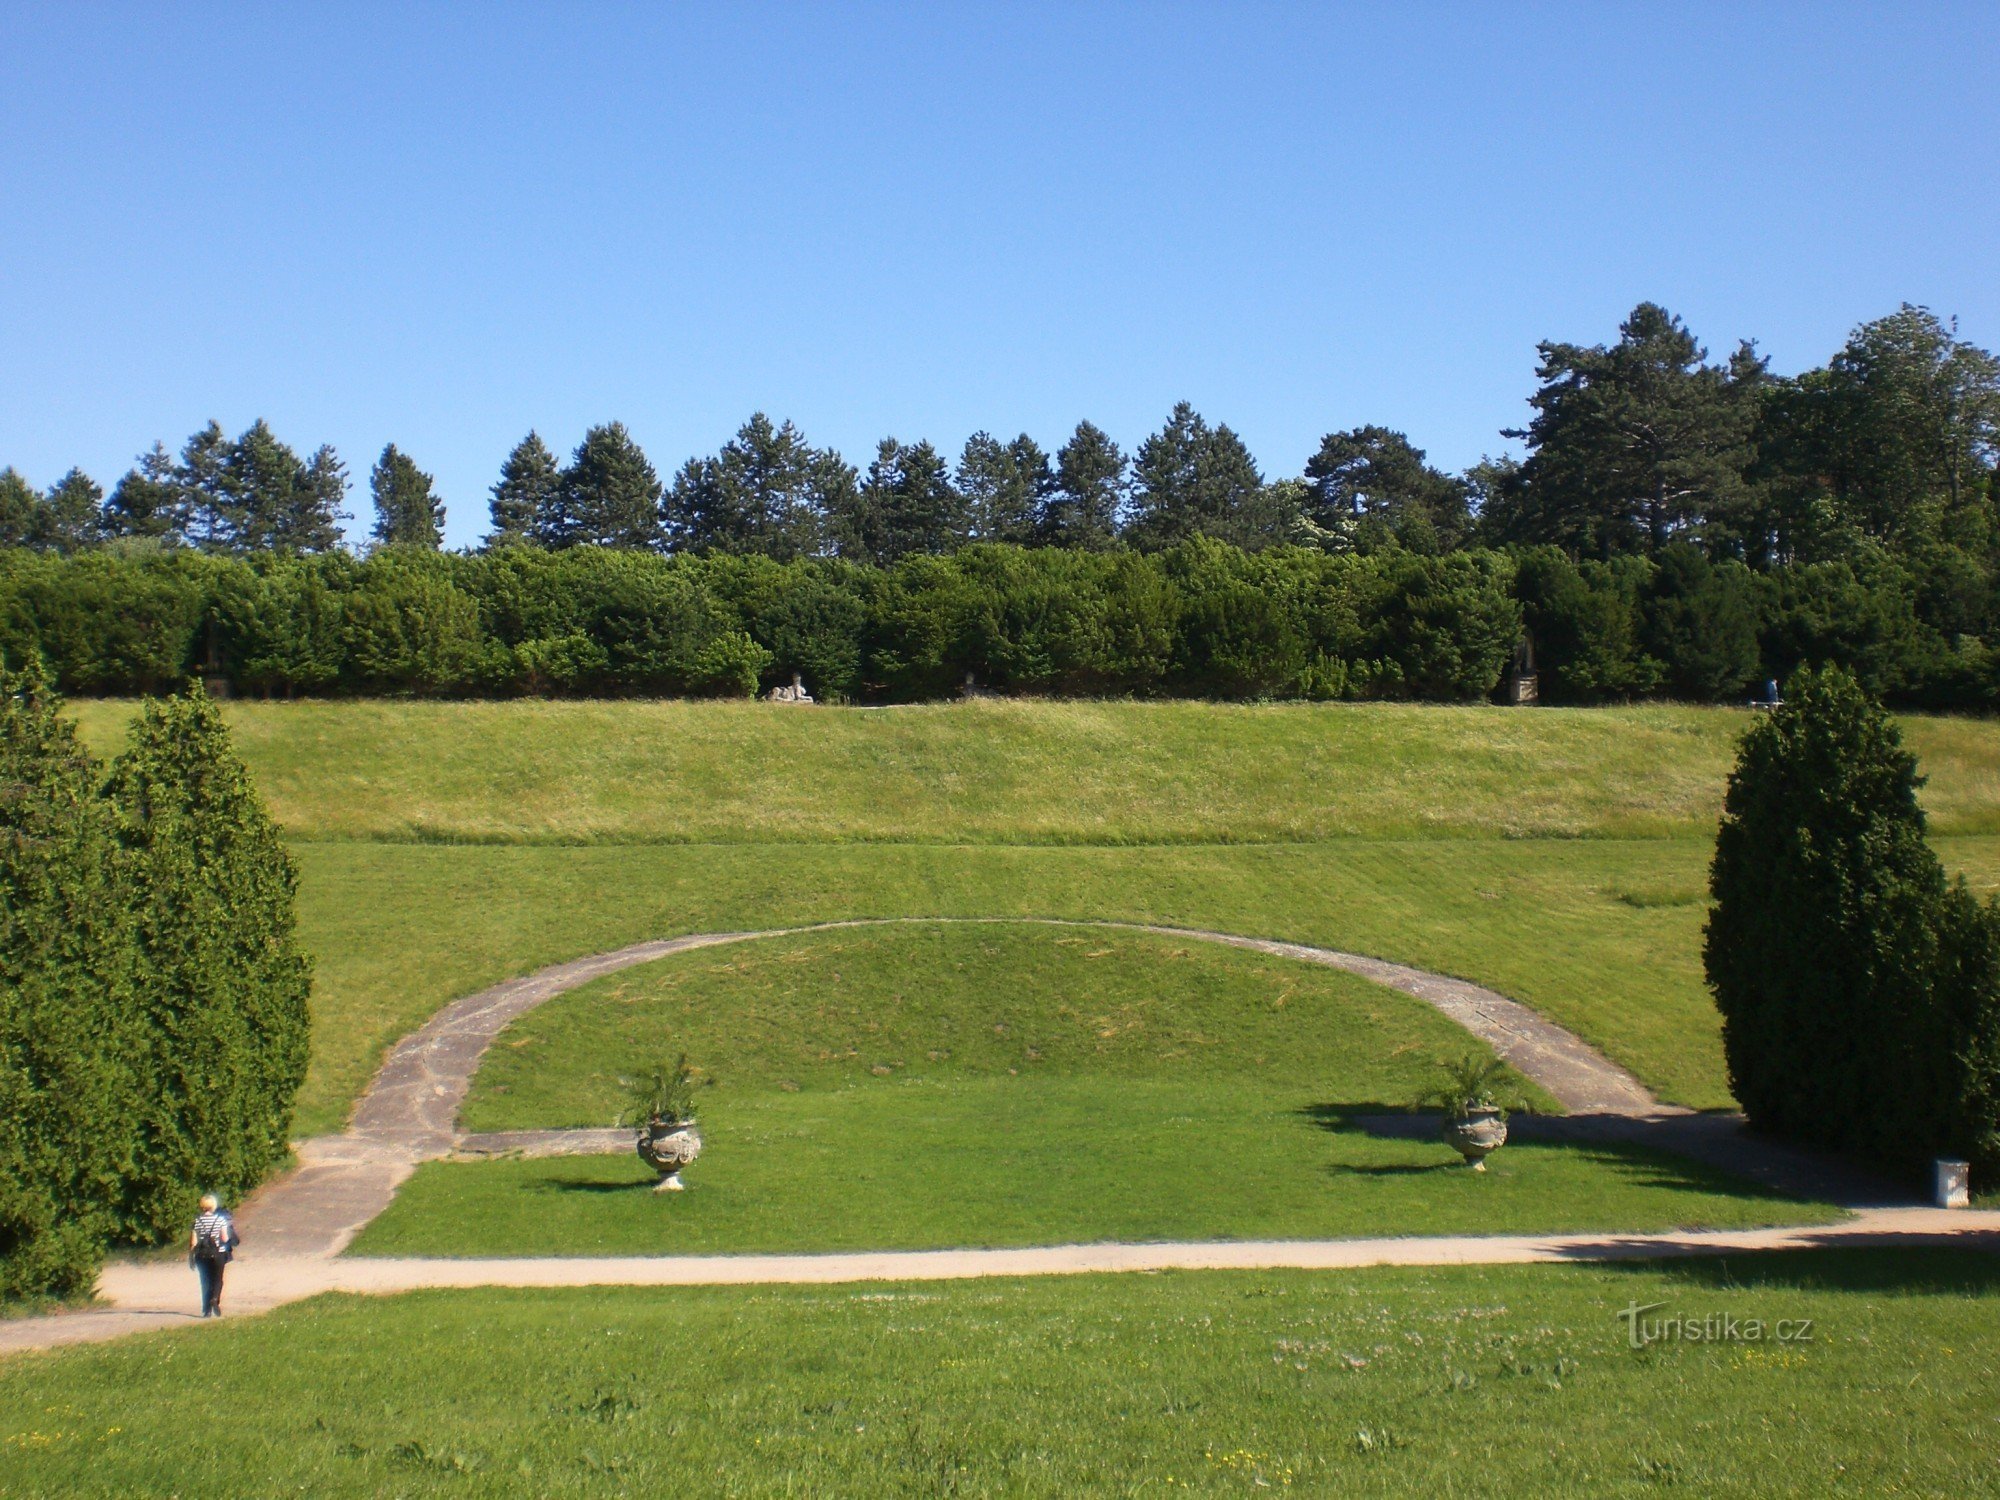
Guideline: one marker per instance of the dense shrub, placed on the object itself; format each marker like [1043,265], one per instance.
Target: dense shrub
[1859,990]
[1701,624]
[1198,618]
[1446,625]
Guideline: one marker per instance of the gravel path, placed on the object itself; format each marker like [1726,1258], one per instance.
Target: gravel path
[296,1226]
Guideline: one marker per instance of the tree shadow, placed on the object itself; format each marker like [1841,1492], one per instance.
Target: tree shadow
[1344,1117]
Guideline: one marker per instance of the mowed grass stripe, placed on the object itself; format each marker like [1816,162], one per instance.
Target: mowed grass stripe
[1513,1380]
[1013,771]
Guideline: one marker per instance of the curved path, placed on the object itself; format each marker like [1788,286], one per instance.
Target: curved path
[297,1224]
[409,1113]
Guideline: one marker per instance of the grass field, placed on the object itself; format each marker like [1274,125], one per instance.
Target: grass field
[1000,771]
[1494,1381]
[1026,809]
[927,1086]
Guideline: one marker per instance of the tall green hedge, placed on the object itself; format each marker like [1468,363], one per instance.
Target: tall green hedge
[68,1079]
[153,1018]
[1859,989]
[1201,618]
[223,986]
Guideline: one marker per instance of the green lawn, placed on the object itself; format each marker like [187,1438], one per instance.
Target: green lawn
[1025,809]
[993,1162]
[1602,935]
[1491,1380]
[1013,772]
[919,1086]
[938,1005]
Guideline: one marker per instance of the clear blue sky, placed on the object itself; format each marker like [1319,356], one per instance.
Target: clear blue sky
[445,225]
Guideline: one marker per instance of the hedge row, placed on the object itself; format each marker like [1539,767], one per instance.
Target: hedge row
[1201,619]
[153,1022]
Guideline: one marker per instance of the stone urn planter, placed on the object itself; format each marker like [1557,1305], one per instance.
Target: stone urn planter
[1476,1133]
[667,1146]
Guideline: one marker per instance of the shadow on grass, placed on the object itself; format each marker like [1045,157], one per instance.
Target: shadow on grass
[1346,1117]
[1340,1169]
[592,1185]
[1916,1270]
[1616,1144]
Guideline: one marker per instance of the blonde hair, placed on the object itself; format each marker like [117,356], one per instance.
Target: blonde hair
[210,1202]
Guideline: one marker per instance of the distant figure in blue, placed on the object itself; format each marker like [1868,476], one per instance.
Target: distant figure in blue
[210,1248]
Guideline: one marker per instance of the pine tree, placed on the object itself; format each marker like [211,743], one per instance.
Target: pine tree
[313,523]
[152,500]
[1370,484]
[67,1091]
[254,495]
[1003,487]
[19,505]
[905,506]
[214,514]
[768,492]
[1081,509]
[222,981]
[1191,479]
[1633,444]
[71,515]
[407,511]
[610,494]
[526,499]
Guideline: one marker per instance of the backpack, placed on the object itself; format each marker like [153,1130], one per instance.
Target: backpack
[213,1242]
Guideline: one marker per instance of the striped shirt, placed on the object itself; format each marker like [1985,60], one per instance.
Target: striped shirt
[213,1226]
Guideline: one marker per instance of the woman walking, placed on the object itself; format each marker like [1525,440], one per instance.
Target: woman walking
[210,1248]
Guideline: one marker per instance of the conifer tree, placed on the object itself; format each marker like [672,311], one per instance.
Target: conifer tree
[610,494]
[222,983]
[1859,990]
[407,511]
[1634,443]
[1191,479]
[906,505]
[1081,509]
[1371,484]
[150,501]
[254,495]
[67,1089]
[1003,486]
[18,507]
[71,516]
[526,499]
[768,492]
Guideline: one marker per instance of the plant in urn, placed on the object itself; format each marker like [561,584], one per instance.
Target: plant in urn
[1475,1123]
[662,1106]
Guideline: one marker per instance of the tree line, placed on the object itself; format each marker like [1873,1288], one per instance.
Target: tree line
[1677,525]
[1634,446]
[153,1020]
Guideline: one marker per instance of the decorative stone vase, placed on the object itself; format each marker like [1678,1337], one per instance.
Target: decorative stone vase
[1476,1135]
[667,1146]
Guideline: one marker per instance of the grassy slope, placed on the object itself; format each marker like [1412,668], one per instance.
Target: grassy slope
[402,930]
[1602,932]
[943,1005]
[996,1085]
[996,771]
[1491,1380]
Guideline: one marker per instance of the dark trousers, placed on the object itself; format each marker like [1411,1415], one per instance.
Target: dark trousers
[210,1272]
